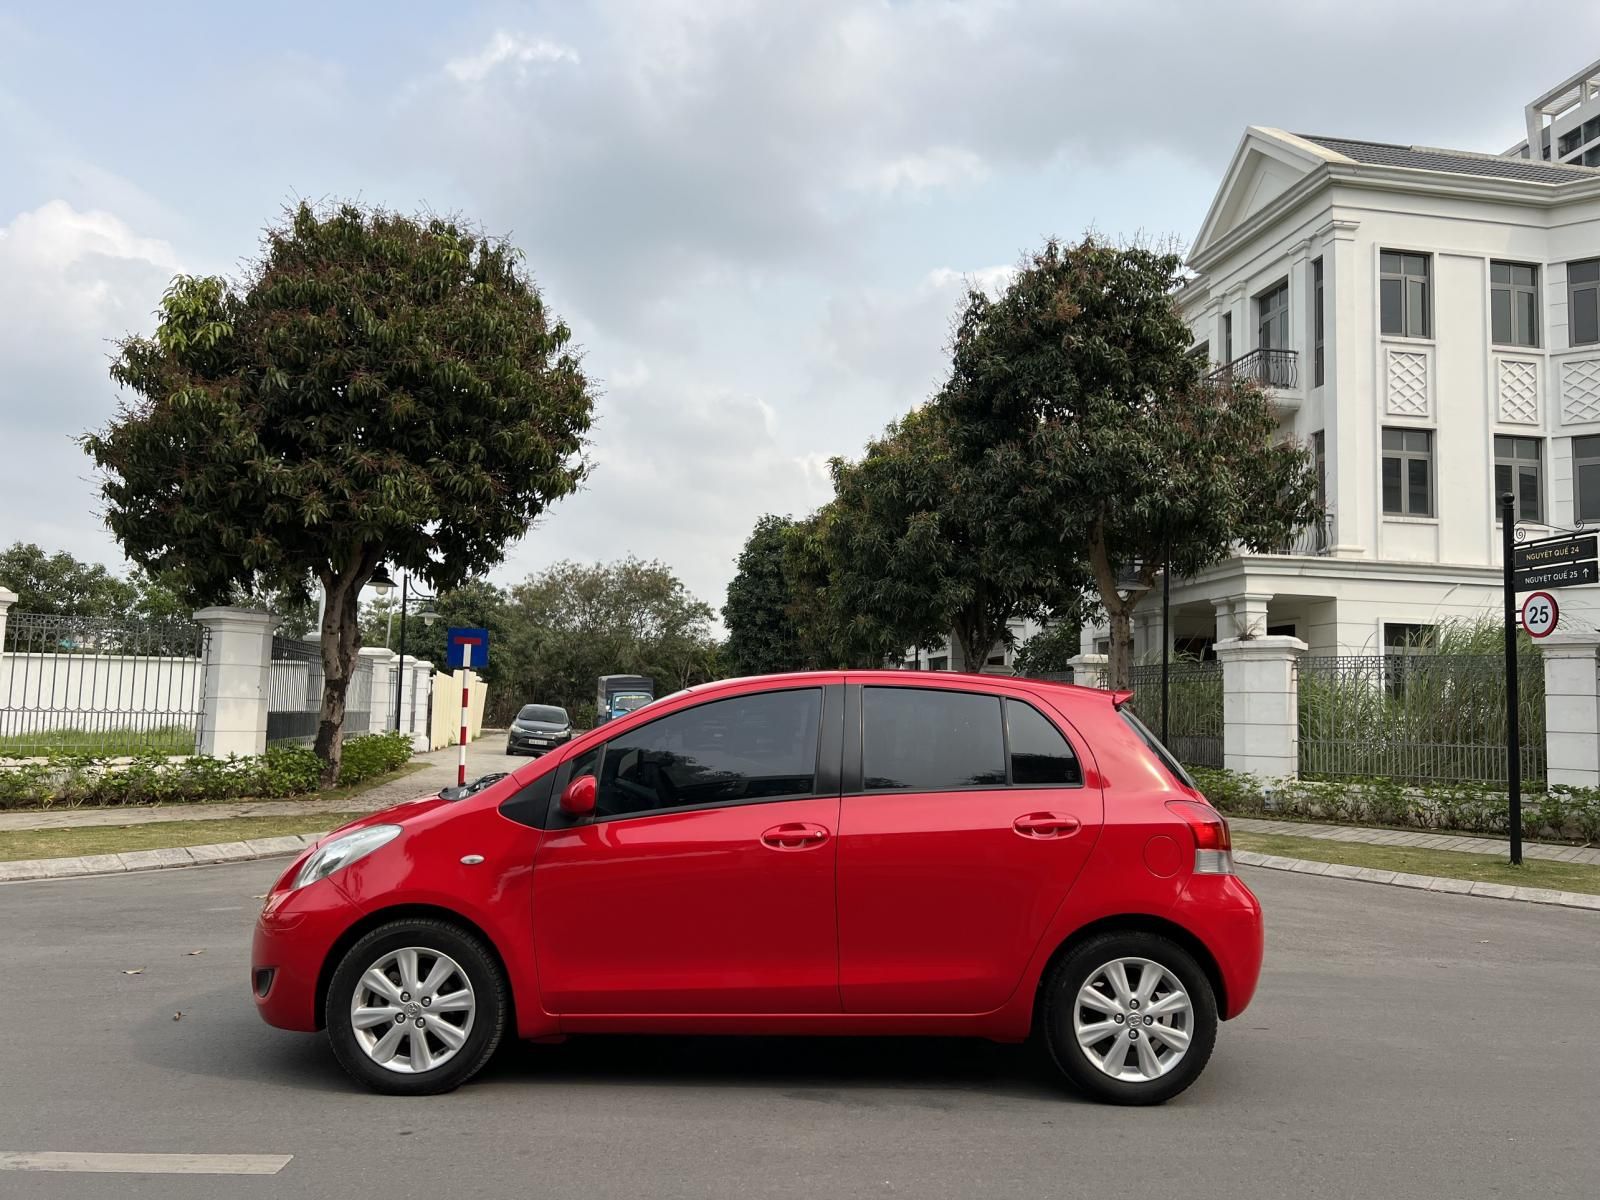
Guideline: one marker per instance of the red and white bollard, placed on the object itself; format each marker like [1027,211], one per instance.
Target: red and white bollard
[466,704]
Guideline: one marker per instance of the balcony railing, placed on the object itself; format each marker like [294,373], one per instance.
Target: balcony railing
[1314,540]
[1270,368]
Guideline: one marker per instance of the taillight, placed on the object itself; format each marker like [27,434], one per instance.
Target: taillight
[1213,847]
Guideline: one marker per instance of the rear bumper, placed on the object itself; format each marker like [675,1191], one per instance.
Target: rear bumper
[293,937]
[1225,914]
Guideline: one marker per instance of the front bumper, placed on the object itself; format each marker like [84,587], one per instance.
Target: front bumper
[533,743]
[293,937]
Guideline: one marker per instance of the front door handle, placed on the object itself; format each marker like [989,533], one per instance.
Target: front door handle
[1047,825]
[796,835]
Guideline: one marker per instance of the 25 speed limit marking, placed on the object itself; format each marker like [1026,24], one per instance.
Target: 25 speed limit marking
[1539,613]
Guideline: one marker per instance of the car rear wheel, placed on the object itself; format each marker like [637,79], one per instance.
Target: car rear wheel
[1130,1018]
[416,1007]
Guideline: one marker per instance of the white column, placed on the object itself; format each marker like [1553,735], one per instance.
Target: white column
[1260,706]
[415,691]
[7,599]
[382,660]
[1572,708]
[238,660]
[1088,669]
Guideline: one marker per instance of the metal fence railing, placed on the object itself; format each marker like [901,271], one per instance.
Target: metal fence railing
[102,686]
[1418,717]
[294,693]
[1194,707]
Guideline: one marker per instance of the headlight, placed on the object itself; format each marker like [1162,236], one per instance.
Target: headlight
[342,851]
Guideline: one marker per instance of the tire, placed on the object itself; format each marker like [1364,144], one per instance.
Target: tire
[417,949]
[1182,1006]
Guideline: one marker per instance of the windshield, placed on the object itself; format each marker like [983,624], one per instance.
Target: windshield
[547,713]
[626,702]
[1159,750]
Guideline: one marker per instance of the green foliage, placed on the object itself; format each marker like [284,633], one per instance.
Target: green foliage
[1570,814]
[153,778]
[375,387]
[59,584]
[763,636]
[1075,397]
[1051,650]
[918,547]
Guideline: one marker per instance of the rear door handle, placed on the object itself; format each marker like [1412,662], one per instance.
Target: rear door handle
[796,835]
[1047,825]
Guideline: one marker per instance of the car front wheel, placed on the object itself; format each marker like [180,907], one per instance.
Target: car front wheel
[416,1007]
[1130,1018]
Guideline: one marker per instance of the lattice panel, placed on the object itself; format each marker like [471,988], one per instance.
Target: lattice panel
[1580,391]
[1408,383]
[1519,391]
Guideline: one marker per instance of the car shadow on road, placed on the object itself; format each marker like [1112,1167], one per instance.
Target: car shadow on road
[221,1037]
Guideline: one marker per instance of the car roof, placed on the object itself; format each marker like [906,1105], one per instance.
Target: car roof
[1057,688]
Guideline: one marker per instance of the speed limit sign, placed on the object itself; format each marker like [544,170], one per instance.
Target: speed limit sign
[1539,613]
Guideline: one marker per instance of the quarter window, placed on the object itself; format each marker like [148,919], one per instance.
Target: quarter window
[1405,294]
[1583,302]
[927,740]
[1518,469]
[756,747]
[1514,303]
[1408,472]
[1039,754]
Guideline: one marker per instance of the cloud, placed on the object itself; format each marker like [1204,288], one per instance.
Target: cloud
[939,167]
[504,48]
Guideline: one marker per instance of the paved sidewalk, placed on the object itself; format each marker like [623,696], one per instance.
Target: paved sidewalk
[1588,856]
[1420,883]
[484,756]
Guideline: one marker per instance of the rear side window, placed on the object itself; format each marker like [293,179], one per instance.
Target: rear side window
[757,747]
[1160,751]
[1040,756]
[923,740]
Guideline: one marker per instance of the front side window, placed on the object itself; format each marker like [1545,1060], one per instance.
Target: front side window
[1583,302]
[745,748]
[1405,297]
[1408,472]
[1514,303]
[1586,478]
[1040,756]
[1518,469]
[926,740]
[1272,313]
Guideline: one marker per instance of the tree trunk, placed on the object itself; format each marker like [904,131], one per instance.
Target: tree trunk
[1119,605]
[341,647]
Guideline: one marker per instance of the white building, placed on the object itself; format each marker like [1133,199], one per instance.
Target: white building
[1428,322]
[948,657]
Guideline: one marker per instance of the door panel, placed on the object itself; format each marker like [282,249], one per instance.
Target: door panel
[691,912]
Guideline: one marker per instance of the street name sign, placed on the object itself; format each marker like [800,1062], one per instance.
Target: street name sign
[1570,560]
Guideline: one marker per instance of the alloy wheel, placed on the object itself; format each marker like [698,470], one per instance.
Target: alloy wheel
[1133,1020]
[412,1010]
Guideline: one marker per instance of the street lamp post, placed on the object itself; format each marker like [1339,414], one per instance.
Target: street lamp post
[383,584]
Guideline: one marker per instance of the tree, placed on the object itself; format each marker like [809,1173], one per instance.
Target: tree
[373,388]
[1049,651]
[762,634]
[60,585]
[1076,395]
[919,547]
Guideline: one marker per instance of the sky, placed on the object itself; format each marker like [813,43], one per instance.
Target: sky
[758,216]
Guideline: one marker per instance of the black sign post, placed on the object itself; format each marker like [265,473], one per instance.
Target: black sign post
[1508,531]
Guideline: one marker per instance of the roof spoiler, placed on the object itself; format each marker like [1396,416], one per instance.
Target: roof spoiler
[1118,699]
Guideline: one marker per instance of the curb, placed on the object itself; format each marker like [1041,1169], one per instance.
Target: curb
[1420,883]
[29,869]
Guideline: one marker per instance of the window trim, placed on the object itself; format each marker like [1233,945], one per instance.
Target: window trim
[825,776]
[853,776]
[1513,290]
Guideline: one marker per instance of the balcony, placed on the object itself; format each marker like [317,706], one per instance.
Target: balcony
[1314,540]
[1278,369]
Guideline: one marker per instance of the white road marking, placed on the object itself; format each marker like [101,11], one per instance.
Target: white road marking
[145,1164]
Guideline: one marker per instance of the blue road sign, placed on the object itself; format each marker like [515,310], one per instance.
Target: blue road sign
[457,641]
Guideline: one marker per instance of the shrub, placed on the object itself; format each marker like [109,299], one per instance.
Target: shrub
[374,754]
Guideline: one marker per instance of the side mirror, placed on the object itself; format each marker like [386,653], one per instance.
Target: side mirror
[578,799]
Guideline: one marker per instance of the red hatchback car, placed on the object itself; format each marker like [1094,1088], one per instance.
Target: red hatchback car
[830,853]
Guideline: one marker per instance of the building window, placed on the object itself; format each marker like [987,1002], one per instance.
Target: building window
[1404,296]
[939,663]
[1272,318]
[1514,303]
[1403,644]
[1227,337]
[1583,302]
[1316,324]
[1408,472]
[1586,479]
[1570,141]
[1518,469]
[1319,457]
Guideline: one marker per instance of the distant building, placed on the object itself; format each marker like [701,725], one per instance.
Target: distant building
[1428,322]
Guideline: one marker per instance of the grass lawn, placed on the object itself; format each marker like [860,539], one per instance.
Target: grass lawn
[1448,864]
[159,835]
[104,743]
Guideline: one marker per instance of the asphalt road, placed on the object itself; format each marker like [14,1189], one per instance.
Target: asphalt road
[1402,1045]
